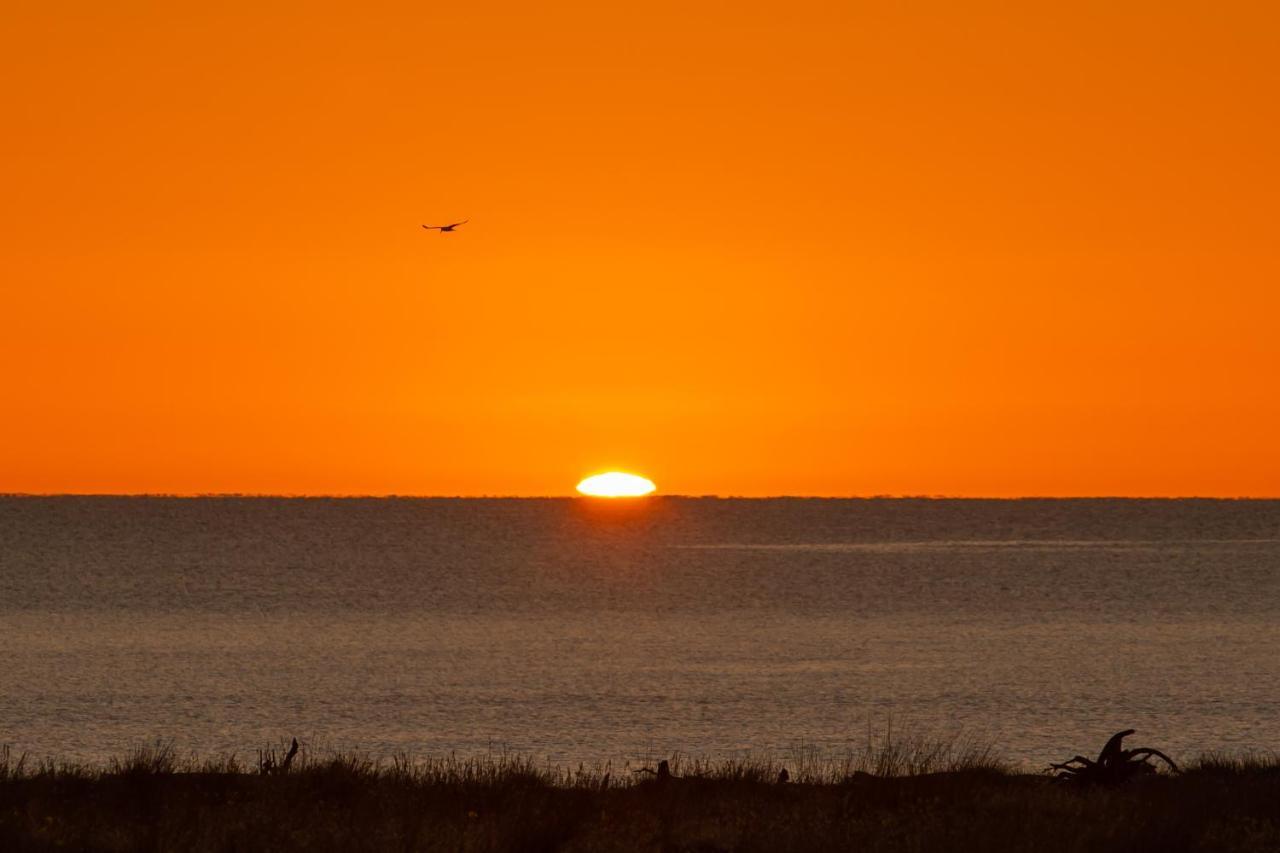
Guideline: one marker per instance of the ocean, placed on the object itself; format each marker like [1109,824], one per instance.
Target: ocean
[579,630]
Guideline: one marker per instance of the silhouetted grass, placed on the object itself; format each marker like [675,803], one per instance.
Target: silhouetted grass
[906,795]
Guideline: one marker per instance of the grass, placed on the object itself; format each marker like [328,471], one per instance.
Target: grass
[908,795]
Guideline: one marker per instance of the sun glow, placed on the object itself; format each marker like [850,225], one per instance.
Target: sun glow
[616,484]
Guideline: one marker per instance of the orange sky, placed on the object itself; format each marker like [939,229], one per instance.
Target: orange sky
[742,248]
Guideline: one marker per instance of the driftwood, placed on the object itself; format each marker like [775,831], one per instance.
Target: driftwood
[662,774]
[267,761]
[1114,765]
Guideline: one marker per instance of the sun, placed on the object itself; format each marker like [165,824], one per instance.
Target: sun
[616,484]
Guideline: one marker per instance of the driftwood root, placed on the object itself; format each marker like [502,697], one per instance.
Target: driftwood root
[1115,765]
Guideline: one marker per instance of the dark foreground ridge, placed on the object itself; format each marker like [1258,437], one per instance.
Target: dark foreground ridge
[152,801]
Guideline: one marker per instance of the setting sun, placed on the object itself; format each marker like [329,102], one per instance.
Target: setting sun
[616,484]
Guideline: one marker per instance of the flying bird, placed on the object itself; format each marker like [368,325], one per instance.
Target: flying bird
[443,228]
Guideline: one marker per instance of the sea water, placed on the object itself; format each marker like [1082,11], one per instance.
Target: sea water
[588,630]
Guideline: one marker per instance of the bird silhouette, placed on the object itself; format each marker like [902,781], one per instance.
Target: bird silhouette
[444,228]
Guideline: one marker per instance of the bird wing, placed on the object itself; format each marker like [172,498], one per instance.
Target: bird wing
[430,227]
[463,222]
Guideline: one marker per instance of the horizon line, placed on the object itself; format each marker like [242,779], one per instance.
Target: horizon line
[683,496]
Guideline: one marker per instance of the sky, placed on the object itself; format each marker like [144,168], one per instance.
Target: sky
[809,248]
